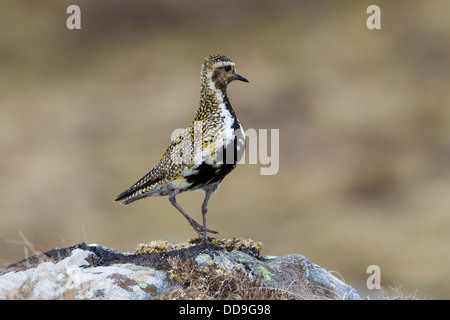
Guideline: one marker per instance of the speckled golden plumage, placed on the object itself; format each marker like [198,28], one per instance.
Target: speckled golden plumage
[205,152]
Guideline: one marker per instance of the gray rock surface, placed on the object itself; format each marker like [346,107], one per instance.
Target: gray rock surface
[96,272]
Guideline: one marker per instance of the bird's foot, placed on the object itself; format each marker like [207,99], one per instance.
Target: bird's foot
[207,245]
[202,229]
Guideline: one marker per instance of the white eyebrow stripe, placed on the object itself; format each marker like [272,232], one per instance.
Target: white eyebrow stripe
[225,63]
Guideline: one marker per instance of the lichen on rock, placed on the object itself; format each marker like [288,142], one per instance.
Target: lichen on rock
[227,244]
[225,269]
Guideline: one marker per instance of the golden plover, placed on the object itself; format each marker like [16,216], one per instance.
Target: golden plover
[205,152]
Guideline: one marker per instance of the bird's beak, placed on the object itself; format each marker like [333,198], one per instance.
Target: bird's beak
[239,77]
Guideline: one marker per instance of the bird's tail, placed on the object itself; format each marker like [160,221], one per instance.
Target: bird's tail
[139,190]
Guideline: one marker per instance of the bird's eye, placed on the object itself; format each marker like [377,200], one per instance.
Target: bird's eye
[227,68]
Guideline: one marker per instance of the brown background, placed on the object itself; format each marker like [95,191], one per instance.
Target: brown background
[363,116]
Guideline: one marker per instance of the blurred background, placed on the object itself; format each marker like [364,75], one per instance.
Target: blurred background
[364,120]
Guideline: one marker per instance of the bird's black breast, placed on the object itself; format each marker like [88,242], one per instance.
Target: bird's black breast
[207,173]
[225,159]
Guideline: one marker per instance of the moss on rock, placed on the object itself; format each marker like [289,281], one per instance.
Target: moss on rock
[227,245]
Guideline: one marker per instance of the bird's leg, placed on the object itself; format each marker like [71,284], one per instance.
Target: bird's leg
[197,226]
[208,194]
[208,190]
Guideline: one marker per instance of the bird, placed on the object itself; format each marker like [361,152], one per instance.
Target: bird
[204,153]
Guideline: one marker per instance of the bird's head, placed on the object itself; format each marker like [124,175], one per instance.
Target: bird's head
[218,71]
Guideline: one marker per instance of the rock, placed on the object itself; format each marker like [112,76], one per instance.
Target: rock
[227,269]
[293,274]
[80,275]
